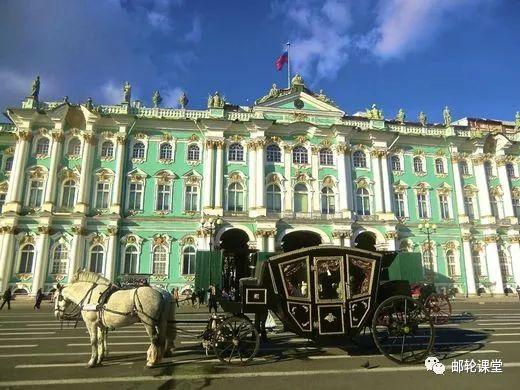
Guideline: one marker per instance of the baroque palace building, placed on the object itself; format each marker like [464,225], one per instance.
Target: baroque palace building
[122,189]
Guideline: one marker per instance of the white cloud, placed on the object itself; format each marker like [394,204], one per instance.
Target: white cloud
[159,20]
[112,93]
[171,97]
[195,33]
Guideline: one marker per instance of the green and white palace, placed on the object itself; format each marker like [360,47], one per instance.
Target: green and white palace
[189,195]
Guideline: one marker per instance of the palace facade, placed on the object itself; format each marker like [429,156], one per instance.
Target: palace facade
[125,189]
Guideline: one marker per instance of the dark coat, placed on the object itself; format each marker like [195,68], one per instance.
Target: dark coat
[7,295]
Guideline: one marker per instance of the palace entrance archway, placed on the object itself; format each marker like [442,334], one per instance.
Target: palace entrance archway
[235,258]
[366,240]
[300,239]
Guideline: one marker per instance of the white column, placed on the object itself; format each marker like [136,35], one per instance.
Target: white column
[50,188]
[514,250]
[219,176]
[315,190]
[75,252]
[260,179]
[252,172]
[201,240]
[288,200]
[345,240]
[468,264]
[349,189]
[391,237]
[336,238]
[387,190]
[483,190]
[270,241]
[260,240]
[342,180]
[42,257]
[111,253]
[506,189]
[376,171]
[16,182]
[208,175]
[115,207]
[493,265]
[6,241]
[459,192]
[84,181]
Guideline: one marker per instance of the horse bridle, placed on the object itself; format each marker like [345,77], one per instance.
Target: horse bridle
[75,313]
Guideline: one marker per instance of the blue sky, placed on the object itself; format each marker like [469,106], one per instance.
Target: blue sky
[414,54]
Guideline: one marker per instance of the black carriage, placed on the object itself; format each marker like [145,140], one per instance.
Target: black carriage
[325,292]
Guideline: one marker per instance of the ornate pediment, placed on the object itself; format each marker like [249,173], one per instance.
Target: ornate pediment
[137,175]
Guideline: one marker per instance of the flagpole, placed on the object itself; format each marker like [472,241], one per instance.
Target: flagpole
[288,65]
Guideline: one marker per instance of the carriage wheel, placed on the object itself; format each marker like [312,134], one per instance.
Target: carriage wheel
[439,307]
[236,341]
[403,330]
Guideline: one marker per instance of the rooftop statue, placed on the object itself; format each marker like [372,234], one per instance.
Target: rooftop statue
[422,118]
[374,113]
[216,101]
[517,120]
[401,116]
[127,90]
[183,100]
[273,93]
[297,80]
[447,116]
[88,104]
[324,98]
[35,89]
[157,99]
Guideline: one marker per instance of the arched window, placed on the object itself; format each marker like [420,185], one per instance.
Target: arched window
[68,196]
[477,263]
[488,169]
[135,196]
[422,205]
[516,206]
[439,166]
[444,206]
[138,150]
[496,206]
[451,263]
[26,259]
[191,198]
[235,197]
[469,208]
[2,200]
[427,258]
[399,204]
[418,165]
[300,155]
[236,152]
[164,192]
[35,193]
[396,163]
[506,268]
[165,151]
[131,259]
[107,149]
[74,148]
[274,198]
[60,257]
[359,159]
[96,259]
[9,164]
[193,153]
[42,146]
[510,169]
[273,153]
[188,260]
[301,198]
[160,260]
[464,168]
[328,201]
[362,201]
[102,194]
[326,157]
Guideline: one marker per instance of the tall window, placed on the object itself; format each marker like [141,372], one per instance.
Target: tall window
[2,200]
[131,259]
[328,204]
[235,197]
[326,157]
[96,259]
[362,202]
[477,263]
[399,205]
[273,153]
[418,165]
[191,198]
[274,198]
[451,263]
[35,193]
[496,206]
[464,168]
[107,149]
[359,159]
[74,148]
[9,164]
[135,196]
[193,153]
[444,206]
[165,151]
[428,266]
[488,169]
[422,205]
[439,166]
[159,261]
[163,197]
[236,152]
[301,198]
[506,268]
[188,260]
[60,256]
[396,163]
[68,198]
[26,259]
[42,146]
[138,150]
[510,169]
[300,155]
[468,207]
[516,206]
[102,195]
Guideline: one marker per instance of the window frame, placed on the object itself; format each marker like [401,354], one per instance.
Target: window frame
[302,195]
[165,261]
[236,152]
[189,149]
[276,155]
[363,200]
[300,155]
[62,193]
[193,261]
[99,253]
[104,149]
[326,157]
[238,194]
[273,194]
[359,159]
[31,254]
[63,260]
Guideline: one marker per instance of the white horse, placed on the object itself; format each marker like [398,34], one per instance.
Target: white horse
[154,308]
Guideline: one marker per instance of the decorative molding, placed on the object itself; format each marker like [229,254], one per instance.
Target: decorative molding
[161,239]
[97,239]
[193,138]
[112,230]
[449,245]
[467,237]
[44,229]
[392,235]
[188,240]
[492,238]
[514,239]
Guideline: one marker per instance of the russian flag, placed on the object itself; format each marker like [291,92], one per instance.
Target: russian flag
[283,59]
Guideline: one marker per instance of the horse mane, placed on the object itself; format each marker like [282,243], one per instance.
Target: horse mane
[90,277]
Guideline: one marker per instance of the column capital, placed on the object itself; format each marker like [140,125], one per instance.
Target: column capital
[467,237]
[120,139]
[112,230]
[78,230]
[23,134]
[57,135]
[44,229]
[491,238]
[378,152]
[89,138]
[8,229]
[342,148]
[514,239]
[392,235]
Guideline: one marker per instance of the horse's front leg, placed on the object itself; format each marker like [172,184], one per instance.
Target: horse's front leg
[101,344]
[105,344]
[93,332]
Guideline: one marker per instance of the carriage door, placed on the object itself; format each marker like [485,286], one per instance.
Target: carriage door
[359,287]
[329,294]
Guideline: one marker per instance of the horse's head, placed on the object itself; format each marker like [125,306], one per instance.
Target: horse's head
[63,306]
